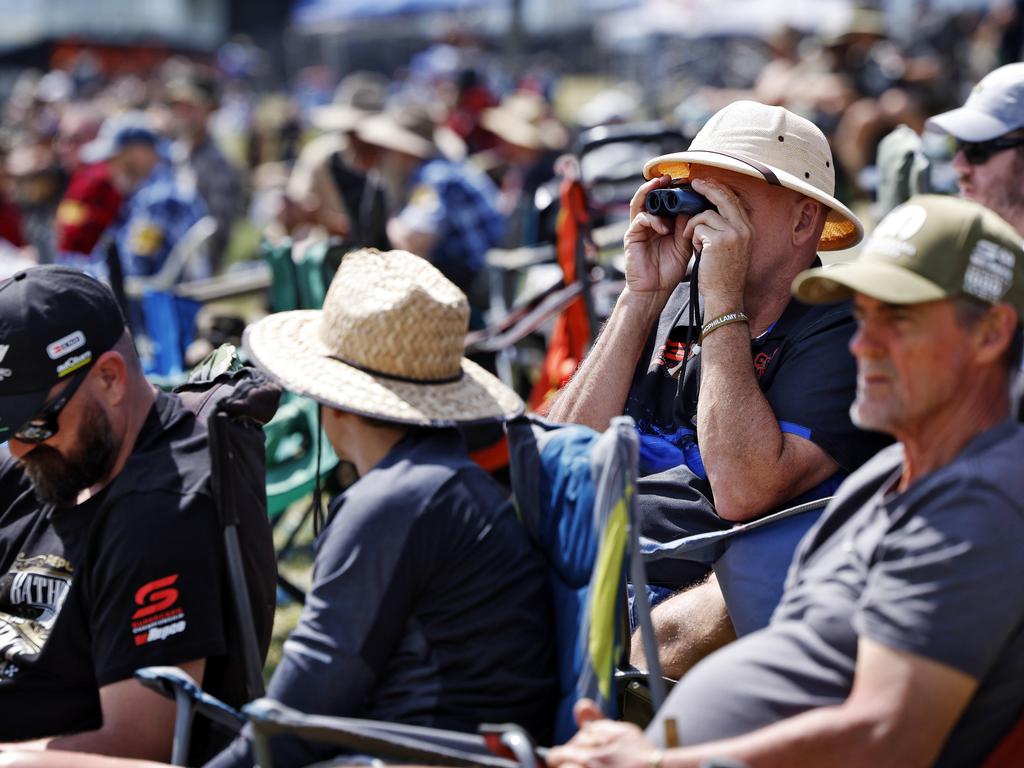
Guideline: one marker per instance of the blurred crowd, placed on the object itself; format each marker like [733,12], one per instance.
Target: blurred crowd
[444,156]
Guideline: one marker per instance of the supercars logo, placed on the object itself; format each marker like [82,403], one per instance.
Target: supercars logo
[71,342]
[158,615]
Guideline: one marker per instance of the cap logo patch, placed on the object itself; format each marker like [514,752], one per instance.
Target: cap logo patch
[73,363]
[3,351]
[903,223]
[71,342]
[989,274]
[891,235]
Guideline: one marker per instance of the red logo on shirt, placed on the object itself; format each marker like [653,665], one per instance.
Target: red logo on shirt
[155,597]
[157,618]
[761,360]
[672,352]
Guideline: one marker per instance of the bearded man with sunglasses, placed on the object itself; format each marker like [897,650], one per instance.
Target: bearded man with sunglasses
[989,133]
[109,557]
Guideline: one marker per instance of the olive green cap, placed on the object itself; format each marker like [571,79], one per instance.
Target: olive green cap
[931,247]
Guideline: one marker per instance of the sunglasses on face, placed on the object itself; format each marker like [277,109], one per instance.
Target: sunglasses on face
[978,153]
[43,425]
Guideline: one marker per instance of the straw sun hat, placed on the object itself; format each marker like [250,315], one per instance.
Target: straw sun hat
[387,345]
[773,144]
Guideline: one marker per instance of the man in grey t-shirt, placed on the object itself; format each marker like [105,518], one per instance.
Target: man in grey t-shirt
[900,637]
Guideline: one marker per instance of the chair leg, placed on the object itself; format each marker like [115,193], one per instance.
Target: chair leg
[184,706]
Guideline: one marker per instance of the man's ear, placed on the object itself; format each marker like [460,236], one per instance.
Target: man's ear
[806,216]
[111,377]
[994,333]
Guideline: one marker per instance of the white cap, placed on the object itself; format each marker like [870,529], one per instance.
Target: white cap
[994,108]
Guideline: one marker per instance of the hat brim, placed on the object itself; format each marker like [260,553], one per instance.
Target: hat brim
[336,117]
[381,131]
[968,124]
[510,127]
[15,410]
[842,227]
[288,346]
[884,282]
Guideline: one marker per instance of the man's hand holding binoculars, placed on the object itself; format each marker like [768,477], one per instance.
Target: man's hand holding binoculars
[657,253]
[659,245]
[725,241]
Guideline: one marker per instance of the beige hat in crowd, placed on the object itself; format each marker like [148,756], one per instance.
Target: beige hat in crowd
[358,95]
[773,144]
[387,345]
[521,119]
[932,247]
[413,130]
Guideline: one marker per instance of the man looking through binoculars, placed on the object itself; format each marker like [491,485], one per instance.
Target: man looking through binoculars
[773,376]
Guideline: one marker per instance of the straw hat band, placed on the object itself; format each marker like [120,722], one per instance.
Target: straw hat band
[395,376]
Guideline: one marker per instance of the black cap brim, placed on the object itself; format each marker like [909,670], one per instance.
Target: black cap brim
[15,410]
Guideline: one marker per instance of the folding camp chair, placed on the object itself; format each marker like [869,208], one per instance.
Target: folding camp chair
[575,492]
[300,277]
[163,321]
[593,196]
[234,402]
[298,456]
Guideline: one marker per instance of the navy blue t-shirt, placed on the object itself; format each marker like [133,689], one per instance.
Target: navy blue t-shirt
[429,606]
[803,366]
[808,376]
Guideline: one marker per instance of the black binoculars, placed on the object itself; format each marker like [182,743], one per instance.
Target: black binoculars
[669,202]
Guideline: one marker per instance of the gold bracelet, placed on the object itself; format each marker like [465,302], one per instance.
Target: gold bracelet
[655,758]
[722,320]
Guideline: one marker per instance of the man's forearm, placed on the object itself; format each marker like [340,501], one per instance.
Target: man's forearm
[739,436]
[750,467]
[597,393]
[829,736]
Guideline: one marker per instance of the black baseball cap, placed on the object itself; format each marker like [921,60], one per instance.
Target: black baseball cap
[54,322]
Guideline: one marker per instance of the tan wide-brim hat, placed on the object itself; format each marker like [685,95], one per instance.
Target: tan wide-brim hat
[337,117]
[411,130]
[521,119]
[358,95]
[387,345]
[777,146]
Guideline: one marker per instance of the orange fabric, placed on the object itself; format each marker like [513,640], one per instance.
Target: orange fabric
[1010,752]
[492,457]
[572,332]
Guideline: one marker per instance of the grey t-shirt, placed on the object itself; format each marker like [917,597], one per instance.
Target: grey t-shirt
[935,570]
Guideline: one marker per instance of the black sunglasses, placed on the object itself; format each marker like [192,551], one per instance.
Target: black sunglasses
[43,425]
[978,153]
